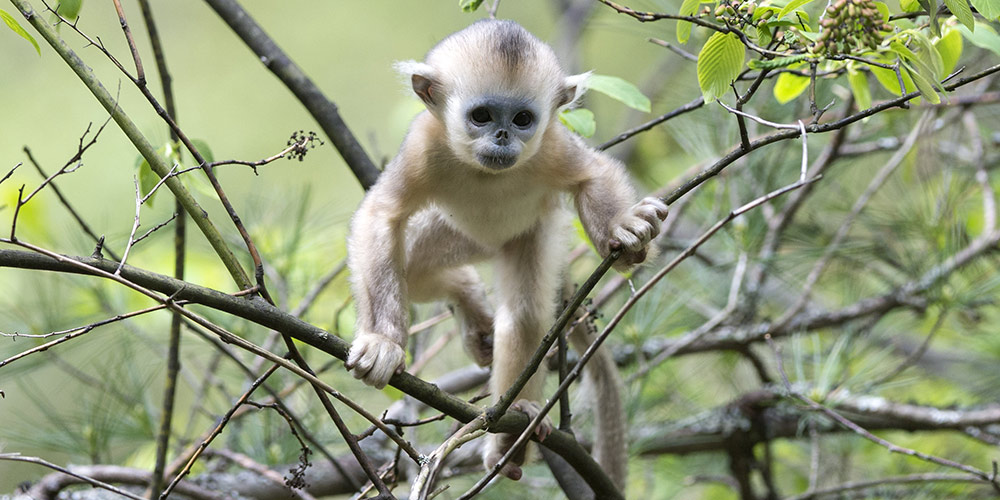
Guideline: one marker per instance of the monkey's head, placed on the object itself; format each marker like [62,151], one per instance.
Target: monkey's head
[496,88]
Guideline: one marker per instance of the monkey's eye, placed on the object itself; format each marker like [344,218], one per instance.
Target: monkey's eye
[480,116]
[523,119]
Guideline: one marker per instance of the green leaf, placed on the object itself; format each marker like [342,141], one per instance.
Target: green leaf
[962,11]
[794,4]
[931,6]
[859,86]
[909,5]
[777,62]
[69,9]
[890,81]
[984,36]
[579,120]
[147,179]
[688,8]
[719,63]
[929,55]
[990,9]
[789,86]
[764,36]
[469,5]
[16,28]
[902,50]
[883,9]
[950,48]
[619,90]
[924,84]
[203,148]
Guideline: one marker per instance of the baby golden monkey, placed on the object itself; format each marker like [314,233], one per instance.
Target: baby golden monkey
[481,175]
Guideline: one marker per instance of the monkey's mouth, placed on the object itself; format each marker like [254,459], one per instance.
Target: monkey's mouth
[497,162]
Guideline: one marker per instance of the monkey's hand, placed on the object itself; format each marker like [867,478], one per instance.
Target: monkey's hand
[498,444]
[531,409]
[632,231]
[375,359]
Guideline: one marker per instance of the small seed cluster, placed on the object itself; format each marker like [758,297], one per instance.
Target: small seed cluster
[302,141]
[850,26]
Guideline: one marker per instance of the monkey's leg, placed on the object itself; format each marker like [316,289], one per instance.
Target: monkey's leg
[527,274]
[435,271]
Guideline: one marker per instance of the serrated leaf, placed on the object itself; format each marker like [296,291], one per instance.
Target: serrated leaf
[859,87]
[69,9]
[619,90]
[469,5]
[929,55]
[990,9]
[764,36]
[719,63]
[984,36]
[777,62]
[950,48]
[16,28]
[794,4]
[962,11]
[924,84]
[688,8]
[579,120]
[788,86]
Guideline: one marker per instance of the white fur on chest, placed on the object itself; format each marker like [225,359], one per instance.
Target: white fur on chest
[492,209]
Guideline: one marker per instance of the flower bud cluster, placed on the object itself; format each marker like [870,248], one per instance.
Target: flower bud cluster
[733,12]
[850,26]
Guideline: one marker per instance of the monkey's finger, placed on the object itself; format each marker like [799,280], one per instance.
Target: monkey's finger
[388,363]
[661,208]
[651,215]
[627,237]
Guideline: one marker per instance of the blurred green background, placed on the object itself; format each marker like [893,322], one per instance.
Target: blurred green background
[228,99]
[97,399]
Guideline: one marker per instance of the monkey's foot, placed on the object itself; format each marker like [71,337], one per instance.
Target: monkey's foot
[479,344]
[375,359]
[498,444]
[634,229]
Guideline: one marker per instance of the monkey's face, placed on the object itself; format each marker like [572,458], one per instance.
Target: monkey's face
[499,130]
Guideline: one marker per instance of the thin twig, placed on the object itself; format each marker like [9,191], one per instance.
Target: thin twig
[17,457]
[857,429]
[216,431]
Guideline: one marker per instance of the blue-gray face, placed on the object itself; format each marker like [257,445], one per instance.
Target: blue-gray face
[499,127]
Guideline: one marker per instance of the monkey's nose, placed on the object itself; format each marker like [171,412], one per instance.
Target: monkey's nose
[501,138]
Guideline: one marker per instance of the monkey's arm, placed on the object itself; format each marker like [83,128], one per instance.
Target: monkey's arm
[604,200]
[377,259]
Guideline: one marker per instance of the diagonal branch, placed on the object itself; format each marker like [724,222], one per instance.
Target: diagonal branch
[319,106]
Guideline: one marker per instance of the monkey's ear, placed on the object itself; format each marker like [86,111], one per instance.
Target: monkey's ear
[423,80]
[573,88]
[425,88]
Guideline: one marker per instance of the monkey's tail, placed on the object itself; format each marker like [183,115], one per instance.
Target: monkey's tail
[604,385]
